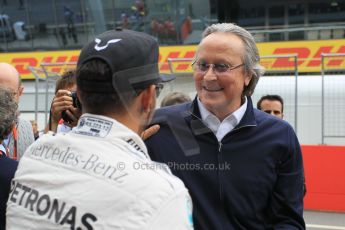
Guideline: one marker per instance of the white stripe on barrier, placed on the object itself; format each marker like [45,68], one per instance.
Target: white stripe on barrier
[329,227]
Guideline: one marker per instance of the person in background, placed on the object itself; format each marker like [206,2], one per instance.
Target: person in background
[175,98]
[272,104]
[21,136]
[21,5]
[69,19]
[99,175]
[35,129]
[242,167]
[124,20]
[8,166]
[63,103]
[186,28]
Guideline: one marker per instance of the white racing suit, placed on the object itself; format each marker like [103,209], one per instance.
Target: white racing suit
[98,176]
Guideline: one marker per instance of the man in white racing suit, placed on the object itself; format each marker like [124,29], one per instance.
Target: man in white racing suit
[99,175]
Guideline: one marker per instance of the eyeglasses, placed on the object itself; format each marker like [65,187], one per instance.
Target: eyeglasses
[159,88]
[218,68]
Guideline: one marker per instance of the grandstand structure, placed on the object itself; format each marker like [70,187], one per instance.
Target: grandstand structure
[68,24]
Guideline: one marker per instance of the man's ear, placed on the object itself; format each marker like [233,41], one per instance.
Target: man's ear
[148,98]
[78,95]
[247,79]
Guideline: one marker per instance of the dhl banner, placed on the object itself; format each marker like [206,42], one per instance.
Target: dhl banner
[308,52]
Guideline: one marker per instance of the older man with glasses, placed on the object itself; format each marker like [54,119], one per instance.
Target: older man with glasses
[242,167]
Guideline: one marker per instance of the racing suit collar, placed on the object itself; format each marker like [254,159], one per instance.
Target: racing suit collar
[100,126]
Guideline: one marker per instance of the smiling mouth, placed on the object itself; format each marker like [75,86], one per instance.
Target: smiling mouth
[212,90]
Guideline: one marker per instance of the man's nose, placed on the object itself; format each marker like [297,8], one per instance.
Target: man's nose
[210,74]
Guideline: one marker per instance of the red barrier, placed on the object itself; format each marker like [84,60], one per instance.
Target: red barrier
[325,177]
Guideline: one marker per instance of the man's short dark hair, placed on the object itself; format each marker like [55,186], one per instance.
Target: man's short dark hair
[8,112]
[271,97]
[99,102]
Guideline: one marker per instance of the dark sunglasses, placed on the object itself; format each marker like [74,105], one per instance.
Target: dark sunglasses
[159,88]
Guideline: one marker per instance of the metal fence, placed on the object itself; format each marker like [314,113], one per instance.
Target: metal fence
[314,103]
[45,78]
[284,83]
[333,98]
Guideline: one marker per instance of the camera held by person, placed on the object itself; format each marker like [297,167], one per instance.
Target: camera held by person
[76,104]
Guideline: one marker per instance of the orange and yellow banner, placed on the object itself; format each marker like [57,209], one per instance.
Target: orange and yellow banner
[308,52]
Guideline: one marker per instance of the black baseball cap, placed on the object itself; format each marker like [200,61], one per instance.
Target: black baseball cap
[132,57]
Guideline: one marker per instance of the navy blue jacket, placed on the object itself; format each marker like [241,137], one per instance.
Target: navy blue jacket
[252,179]
[7,169]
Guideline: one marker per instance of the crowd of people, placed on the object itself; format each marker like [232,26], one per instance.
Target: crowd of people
[110,160]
